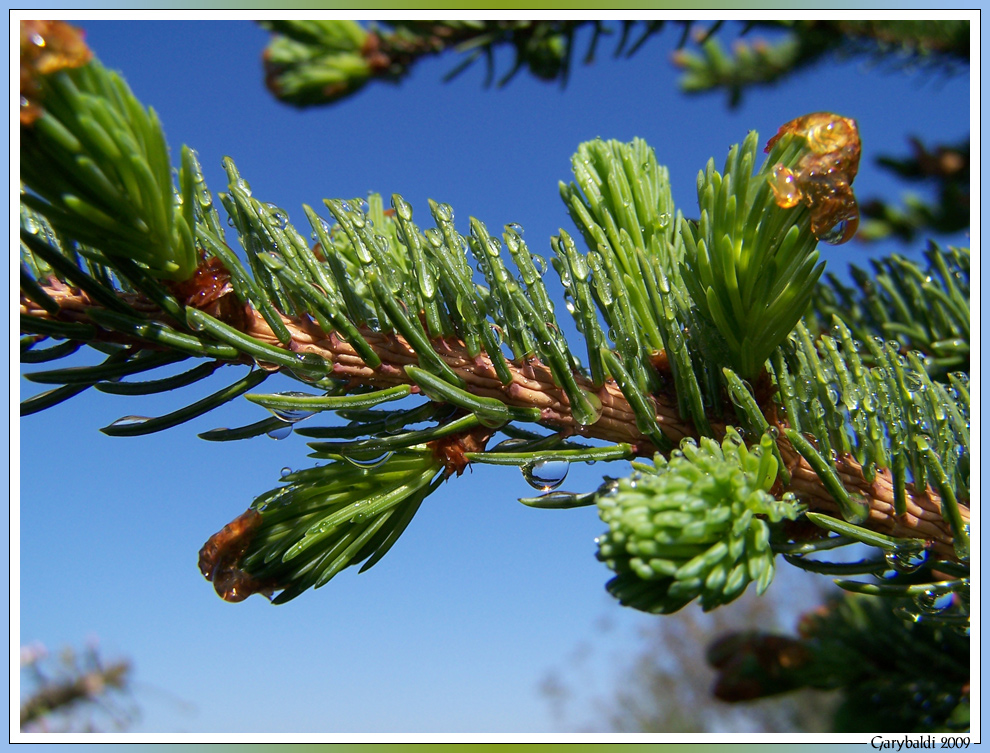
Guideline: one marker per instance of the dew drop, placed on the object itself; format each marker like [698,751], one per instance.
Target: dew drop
[508,445]
[906,562]
[934,601]
[402,208]
[130,421]
[545,475]
[540,263]
[285,471]
[515,227]
[835,235]
[434,236]
[364,462]
[907,615]
[589,411]
[280,432]
[292,415]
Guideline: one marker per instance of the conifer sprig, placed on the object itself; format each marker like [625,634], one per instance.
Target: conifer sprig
[689,328]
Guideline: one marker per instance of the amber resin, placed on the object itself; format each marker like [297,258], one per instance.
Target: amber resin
[219,559]
[46,47]
[823,177]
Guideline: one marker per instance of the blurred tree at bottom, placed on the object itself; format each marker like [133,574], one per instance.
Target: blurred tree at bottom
[74,692]
[665,684]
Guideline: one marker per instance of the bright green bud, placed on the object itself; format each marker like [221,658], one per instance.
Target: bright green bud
[710,544]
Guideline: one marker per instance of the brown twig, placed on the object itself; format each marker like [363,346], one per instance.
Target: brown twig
[532,385]
[84,687]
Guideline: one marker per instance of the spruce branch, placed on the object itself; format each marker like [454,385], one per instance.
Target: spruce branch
[311,63]
[533,386]
[703,320]
[928,44]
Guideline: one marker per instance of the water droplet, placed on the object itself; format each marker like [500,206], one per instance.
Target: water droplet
[292,415]
[545,475]
[913,381]
[444,212]
[311,366]
[230,221]
[907,615]
[906,562]
[837,234]
[367,461]
[663,220]
[402,208]
[434,236]
[508,445]
[130,421]
[591,410]
[266,366]
[934,601]
[540,263]
[514,227]
[285,471]
[281,432]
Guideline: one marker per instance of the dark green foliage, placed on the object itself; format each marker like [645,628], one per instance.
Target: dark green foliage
[795,45]
[319,62]
[896,675]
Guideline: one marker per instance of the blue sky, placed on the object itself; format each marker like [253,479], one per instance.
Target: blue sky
[454,629]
